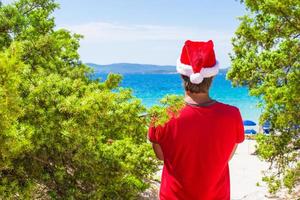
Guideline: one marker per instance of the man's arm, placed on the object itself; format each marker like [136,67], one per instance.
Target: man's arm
[233,151]
[158,151]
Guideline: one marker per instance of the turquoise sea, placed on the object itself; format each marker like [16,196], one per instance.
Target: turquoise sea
[150,88]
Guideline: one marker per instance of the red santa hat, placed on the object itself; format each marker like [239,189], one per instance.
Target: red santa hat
[197,61]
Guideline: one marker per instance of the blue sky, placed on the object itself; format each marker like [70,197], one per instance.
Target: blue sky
[148,31]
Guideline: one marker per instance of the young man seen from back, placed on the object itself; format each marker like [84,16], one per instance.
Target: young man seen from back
[197,145]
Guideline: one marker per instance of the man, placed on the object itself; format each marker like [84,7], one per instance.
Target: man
[197,144]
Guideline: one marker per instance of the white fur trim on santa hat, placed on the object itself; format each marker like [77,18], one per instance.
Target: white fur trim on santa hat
[184,69]
[211,71]
[196,78]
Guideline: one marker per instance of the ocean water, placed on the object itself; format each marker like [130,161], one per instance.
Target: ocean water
[150,88]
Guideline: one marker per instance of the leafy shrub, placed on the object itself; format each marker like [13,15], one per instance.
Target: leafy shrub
[63,135]
[266,52]
[169,107]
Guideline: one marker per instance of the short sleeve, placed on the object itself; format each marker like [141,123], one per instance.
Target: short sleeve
[159,133]
[240,134]
[155,134]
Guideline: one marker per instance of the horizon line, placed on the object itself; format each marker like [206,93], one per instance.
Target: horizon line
[131,63]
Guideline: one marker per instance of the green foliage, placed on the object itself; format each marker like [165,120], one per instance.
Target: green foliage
[266,58]
[63,135]
[170,107]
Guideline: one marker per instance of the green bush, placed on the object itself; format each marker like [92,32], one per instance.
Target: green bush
[266,58]
[63,135]
[169,107]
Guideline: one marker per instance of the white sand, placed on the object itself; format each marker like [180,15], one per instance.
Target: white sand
[246,170]
[245,173]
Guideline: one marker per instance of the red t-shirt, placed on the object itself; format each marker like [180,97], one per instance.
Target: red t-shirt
[196,147]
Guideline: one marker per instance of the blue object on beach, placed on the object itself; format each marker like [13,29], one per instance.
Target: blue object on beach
[267,124]
[250,131]
[249,123]
[266,131]
[266,127]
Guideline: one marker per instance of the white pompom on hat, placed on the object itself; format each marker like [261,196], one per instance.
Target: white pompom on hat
[197,61]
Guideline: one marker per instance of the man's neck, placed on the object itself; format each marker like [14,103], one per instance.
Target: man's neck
[197,98]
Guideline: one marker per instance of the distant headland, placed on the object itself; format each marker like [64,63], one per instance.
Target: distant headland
[134,68]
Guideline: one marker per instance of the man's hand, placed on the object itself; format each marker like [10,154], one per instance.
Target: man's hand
[233,151]
[158,151]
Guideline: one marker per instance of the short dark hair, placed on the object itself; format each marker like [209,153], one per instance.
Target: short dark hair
[202,87]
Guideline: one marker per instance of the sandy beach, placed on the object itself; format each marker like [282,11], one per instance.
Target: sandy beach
[245,172]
